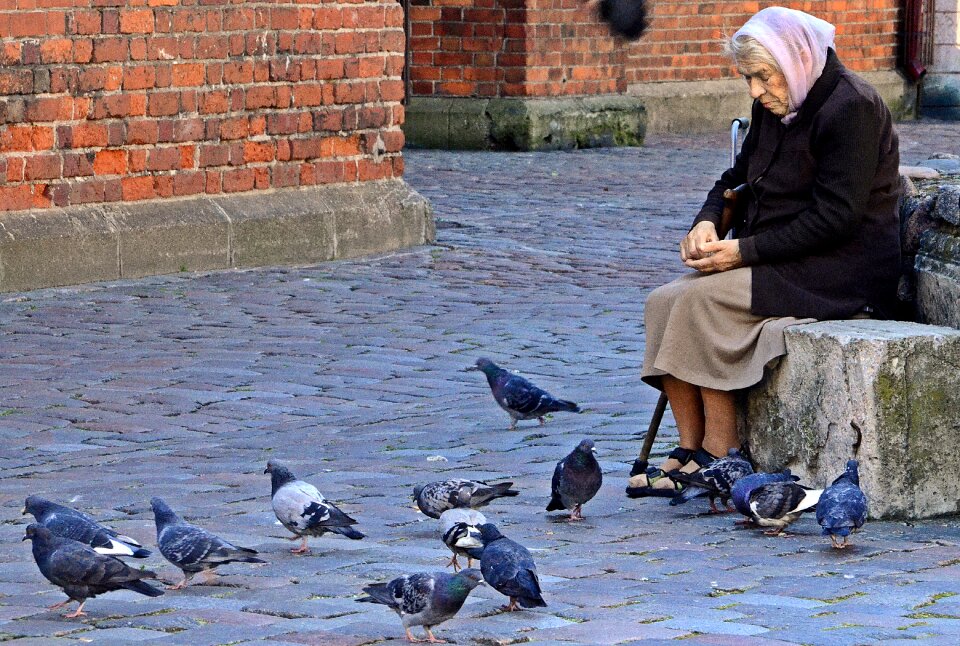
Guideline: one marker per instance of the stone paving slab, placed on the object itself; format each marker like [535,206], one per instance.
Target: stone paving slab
[354,372]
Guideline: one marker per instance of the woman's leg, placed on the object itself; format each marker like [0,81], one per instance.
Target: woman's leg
[720,423]
[687,405]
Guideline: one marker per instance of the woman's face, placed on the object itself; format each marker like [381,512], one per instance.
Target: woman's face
[768,85]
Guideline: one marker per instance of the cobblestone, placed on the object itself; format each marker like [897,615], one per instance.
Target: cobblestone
[354,372]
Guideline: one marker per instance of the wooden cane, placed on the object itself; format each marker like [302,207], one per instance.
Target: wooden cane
[642,462]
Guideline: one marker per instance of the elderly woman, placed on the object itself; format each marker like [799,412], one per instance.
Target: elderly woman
[817,236]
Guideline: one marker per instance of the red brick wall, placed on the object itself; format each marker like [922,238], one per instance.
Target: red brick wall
[683,43]
[104,100]
[557,47]
[490,48]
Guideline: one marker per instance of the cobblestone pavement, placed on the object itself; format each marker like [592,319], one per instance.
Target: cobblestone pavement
[183,386]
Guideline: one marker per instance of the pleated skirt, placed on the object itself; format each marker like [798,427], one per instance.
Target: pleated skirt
[699,329]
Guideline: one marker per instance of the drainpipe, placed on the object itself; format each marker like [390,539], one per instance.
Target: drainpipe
[912,40]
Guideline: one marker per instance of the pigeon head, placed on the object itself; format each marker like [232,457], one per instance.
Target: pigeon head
[416,491]
[162,514]
[36,531]
[279,475]
[487,367]
[35,506]
[734,453]
[471,577]
[489,533]
[851,474]
[586,446]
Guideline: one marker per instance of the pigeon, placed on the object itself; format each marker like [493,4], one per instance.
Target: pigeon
[777,504]
[509,569]
[303,510]
[842,507]
[435,498]
[70,523]
[424,599]
[520,398]
[626,18]
[576,480]
[460,529]
[742,488]
[714,480]
[191,548]
[82,572]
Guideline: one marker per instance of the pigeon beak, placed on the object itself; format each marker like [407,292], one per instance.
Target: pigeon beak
[23,512]
[593,450]
[267,470]
[471,369]
[25,538]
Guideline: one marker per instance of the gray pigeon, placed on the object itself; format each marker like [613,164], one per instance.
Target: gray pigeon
[777,504]
[191,548]
[424,599]
[70,523]
[435,498]
[509,569]
[460,530]
[843,507]
[303,510]
[742,488]
[716,480]
[80,571]
[576,480]
[520,398]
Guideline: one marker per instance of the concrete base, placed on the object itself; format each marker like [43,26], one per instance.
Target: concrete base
[940,96]
[105,242]
[524,124]
[709,106]
[886,393]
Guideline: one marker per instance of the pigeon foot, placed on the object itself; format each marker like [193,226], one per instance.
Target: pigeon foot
[433,640]
[59,605]
[303,549]
[575,515]
[412,639]
[542,421]
[179,586]
[77,613]
[776,532]
[838,544]
[511,607]
[454,564]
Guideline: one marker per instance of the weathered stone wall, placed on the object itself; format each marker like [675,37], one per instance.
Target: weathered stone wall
[884,392]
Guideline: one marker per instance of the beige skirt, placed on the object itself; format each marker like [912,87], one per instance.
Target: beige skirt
[700,330]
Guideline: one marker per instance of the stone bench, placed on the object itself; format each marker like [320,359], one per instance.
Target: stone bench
[884,392]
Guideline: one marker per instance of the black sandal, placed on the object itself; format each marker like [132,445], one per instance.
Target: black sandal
[655,474]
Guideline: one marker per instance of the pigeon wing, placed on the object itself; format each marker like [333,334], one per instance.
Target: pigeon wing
[522,396]
[291,502]
[417,590]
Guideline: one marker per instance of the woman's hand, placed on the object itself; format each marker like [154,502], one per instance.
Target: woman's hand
[716,256]
[692,245]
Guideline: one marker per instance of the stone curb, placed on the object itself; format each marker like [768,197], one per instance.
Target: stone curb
[85,244]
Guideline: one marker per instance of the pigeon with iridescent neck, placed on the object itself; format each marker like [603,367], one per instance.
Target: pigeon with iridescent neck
[520,398]
[842,508]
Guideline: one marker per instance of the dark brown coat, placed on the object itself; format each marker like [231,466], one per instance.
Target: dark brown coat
[819,226]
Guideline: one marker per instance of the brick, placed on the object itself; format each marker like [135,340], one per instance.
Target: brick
[110,50]
[142,131]
[57,50]
[136,21]
[138,188]
[241,179]
[160,159]
[42,167]
[191,74]
[110,162]
[139,77]
[16,198]
[163,104]
[78,164]
[257,152]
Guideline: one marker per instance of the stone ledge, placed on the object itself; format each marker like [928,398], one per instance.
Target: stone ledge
[709,106]
[884,392]
[84,244]
[524,124]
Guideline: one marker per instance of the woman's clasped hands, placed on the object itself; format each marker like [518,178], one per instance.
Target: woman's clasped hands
[701,249]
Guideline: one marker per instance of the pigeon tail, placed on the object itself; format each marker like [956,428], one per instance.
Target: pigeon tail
[562,405]
[688,494]
[349,532]
[379,593]
[117,548]
[502,490]
[555,504]
[531,602]
[143,588]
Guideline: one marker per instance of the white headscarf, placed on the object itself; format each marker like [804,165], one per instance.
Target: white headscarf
[798,42]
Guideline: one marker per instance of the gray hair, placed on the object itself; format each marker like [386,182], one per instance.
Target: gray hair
[746,51]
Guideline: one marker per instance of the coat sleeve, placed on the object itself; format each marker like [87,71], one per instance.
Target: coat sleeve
[732,177]
[846,149]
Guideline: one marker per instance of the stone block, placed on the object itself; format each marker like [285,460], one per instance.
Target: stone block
[427,122]
[164,237]
[937,268]
[295,226]
[57,247]
[886,393]
[378,216]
